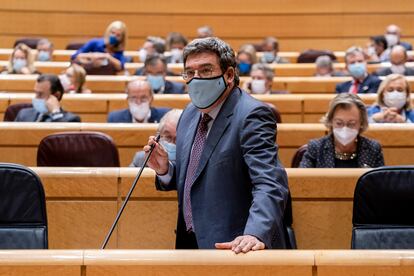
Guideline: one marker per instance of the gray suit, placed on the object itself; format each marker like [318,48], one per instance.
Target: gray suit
[239,187]
[31,115]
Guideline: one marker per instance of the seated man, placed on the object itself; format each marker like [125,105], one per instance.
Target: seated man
[167,130]
[139,96]
[152,45]
[46,104]
[270,48]
[357,67]
[155,68]
[398,59]
[261,80]
[393,36]
[44,50]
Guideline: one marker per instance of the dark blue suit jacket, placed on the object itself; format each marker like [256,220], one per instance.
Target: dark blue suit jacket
[172,87]
[239,187]
[125,116]
[369,85]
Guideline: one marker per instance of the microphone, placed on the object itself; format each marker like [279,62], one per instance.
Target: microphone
[118,216]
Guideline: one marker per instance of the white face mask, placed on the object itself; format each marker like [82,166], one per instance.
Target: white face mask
[345,135]
[398,69]
[258,86]
[176,55]
[395,99]
[392,39]
[139,111]
[142,55]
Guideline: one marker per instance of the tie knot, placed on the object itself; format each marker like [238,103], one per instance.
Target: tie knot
[205,119]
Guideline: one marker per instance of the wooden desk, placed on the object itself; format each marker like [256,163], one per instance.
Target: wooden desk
[82,203]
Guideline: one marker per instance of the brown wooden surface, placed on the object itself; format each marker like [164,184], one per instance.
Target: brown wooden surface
[82,202]
[20,140]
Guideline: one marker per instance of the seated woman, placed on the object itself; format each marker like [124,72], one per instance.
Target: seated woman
[73,79]
[21,61]
[393,103]
[246,57]
[344,146]
[109,50]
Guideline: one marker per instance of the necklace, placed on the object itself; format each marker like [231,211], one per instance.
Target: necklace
[345,155]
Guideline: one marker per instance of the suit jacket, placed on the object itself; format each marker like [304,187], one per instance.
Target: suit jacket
[321,153]
[239,187]
[125,116]
[369,85]
[174,87]
[31,115]
[406,45]
[387,71]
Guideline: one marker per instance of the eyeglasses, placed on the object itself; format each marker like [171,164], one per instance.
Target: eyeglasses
[138,99]
[337,123]
[206,72]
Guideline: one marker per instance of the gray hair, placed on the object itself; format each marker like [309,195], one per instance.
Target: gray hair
[216,46]
[172,115]
[206,29]
[45,41]
[268,72]
[324,61]
[140,82]
[346,101]
[152,60]
[352,51]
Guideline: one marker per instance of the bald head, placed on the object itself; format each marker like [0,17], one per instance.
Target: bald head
[139,91]
[393,29]
[398,55]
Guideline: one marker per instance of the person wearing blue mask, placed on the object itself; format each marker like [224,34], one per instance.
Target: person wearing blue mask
[246,57]
[106,51]
[139,96]
[21,61]
[231,189]
[361,82]
[155,69]
[46,103]
[167,129]
[44,50]
[270,49]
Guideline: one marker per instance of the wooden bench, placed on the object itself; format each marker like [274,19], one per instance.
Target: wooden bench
[20,140]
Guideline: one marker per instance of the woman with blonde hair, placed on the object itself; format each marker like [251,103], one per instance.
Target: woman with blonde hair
[106,50]
[393,103]
[344,146]
[21,61]
[73,79]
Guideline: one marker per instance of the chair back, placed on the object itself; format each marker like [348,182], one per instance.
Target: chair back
[12,111]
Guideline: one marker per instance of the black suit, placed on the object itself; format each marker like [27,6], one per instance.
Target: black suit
[31,115]
[387,71]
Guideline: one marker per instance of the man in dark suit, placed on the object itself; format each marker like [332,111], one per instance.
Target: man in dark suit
[46,104]
[155,69]
[139,96]
[362,82]
[231,190]
[398,58]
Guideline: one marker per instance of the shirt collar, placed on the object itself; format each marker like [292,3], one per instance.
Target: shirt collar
[214,112]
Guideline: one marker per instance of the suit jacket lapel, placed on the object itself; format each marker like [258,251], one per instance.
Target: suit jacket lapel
[329,152]
[217,130]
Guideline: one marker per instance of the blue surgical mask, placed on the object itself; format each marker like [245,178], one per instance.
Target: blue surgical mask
[205,92]
[170,148]
[43,56]
[113,40]
[269,57]
[19,64]
[156,81]
[357,70]
[244,68]
[40,105]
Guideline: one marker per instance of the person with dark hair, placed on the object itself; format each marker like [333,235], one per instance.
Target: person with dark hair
[152,45]
[231,189]
[155,69]
[175,44]
[344,146]
[46,103]
[377,50]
